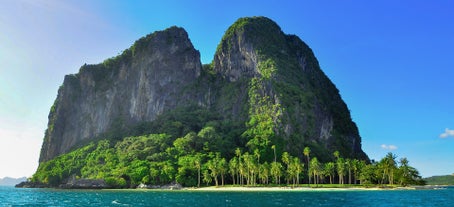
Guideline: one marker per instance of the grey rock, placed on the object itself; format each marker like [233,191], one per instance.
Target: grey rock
[74,183]
[144,82]
[162,72]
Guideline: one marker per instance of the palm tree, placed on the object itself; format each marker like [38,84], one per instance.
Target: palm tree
[329,170]
[408,174]
[389,166]
[298,168]
[233,168]
[286,161]
[307,152]
[207,177]
[240,166]
[349,166]
[241,171]
[315,169]
[361,167]
[214,169]
[198,165]
[356,167]
[340,163]
[264,172]
[222,163]
[276,172]
[274,149]
[257,154]
[404,169]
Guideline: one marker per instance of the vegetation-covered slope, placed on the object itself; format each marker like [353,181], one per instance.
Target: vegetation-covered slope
[195,160]
[440,180]
[264,95]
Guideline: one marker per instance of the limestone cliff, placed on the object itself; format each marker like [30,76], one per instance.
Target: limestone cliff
[284,70]
[263,87]
[143,82]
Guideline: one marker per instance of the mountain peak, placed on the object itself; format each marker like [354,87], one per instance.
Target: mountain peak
[264,88]
[245,44]
[253,26]
[138,85]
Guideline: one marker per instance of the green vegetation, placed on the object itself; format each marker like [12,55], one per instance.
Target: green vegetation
[440,180]
[156,159]
[290,79]
[260,130]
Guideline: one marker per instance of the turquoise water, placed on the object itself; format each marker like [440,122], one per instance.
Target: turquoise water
[50,197]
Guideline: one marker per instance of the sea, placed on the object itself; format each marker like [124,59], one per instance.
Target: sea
[10,196]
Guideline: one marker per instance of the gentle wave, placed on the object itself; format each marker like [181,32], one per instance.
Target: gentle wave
[51,197]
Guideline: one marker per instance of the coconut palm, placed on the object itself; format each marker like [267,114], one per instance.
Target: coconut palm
[198,165]
[315,169]
[307,152]
[276,172]
[390,166]
[264,172]
[340,164]
[286,161]
[233,168]
[330,170]
[349,166]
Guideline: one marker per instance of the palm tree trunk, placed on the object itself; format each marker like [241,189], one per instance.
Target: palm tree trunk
[198,179]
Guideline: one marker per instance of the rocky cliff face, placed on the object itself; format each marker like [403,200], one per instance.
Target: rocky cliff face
[308,110]
[142,83]
[258,75]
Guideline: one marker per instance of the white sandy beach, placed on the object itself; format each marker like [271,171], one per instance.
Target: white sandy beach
[264,189]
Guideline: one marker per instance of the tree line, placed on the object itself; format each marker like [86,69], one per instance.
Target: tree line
[195,160]
[246,169]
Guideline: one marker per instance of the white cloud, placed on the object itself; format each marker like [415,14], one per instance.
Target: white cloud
[447,133]
[389,147]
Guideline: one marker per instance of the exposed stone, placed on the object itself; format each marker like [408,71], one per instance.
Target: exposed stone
[162,72]
[74,183]
[170,186]
[28,184]
[144,82]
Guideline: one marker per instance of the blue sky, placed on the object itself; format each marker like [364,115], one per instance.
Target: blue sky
[391,60]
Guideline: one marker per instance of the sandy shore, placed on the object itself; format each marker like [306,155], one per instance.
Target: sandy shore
[264,189]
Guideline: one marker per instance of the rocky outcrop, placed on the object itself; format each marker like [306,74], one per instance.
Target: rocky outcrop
[284,69]
[28,184]
[81,183]
[257,69]
[170,186]
[145,81]
[71,183]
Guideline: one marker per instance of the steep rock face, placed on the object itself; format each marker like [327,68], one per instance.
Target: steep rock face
[263,88]
[142,83]
[305,106]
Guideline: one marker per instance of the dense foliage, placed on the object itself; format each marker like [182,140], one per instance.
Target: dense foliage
[301,93]
[196,159]
[257,130]
[440,180]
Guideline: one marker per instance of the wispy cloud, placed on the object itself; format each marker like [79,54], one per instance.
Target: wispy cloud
[388,147]
[447,133]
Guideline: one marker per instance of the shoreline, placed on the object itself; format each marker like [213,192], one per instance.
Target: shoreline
[289,189]
[237,188]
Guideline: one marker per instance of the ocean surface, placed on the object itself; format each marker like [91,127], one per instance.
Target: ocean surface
[10,196]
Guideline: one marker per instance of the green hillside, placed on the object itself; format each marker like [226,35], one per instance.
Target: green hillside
[440,180]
